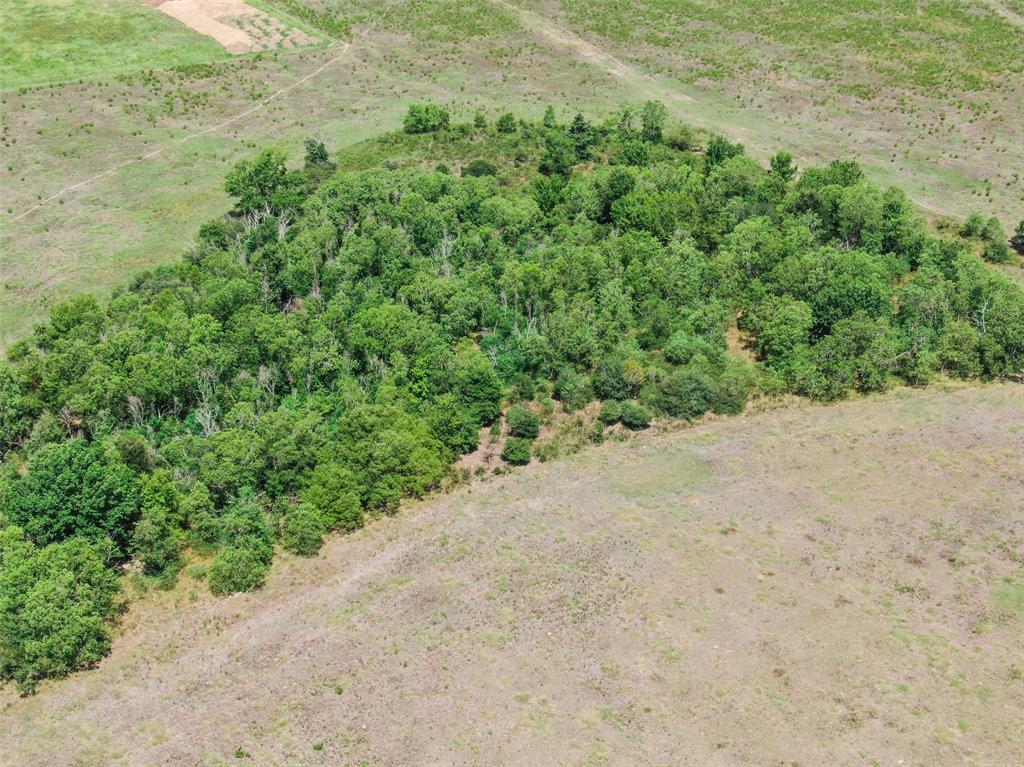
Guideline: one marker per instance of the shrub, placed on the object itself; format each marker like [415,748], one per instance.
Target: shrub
[56,604]
[479,168]
[506,123]
[733,389]
[155,541]
[303,530]
[523,422]
[572,389]
[634,415]
[517,451]
[203,525]
[237,568]
[609,379]
[973,226]
[683,347]
[611,411]
[425,118]
[680,137]
[687,394]
[996,252]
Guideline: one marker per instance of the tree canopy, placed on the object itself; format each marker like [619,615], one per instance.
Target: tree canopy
[337,341]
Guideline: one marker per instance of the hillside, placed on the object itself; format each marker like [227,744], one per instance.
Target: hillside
[813,585]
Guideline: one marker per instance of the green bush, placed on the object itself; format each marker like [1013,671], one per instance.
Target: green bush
[56,606]
[517,450]
[302,531]
[573,390]
[506,123]
[687,394]
[237,568]
[634,415]
[523,422]
[611,411]
[478,168]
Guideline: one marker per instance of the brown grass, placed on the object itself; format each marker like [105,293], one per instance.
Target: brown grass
[810,585]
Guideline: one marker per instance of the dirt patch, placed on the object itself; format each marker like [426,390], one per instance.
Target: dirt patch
[237,26]
[812,585]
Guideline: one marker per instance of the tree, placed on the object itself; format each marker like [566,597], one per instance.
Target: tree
[316,154]
[476,385]
[782,165]
[549,120]
[263,186]
[235,569]
[303,530]
[634,416]
[687,394]
[719,150]
[559,155]
[75,489]
[582,136]
[57,603]
[425,118]
[652,121]
[334,493]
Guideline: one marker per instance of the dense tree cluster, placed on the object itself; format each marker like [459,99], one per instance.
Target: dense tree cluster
[339,340]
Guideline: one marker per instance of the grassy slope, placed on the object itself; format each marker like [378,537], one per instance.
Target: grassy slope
[822,585]
[480,53]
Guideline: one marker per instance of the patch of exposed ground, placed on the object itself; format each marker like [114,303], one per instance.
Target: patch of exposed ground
[236,25]
[812,585]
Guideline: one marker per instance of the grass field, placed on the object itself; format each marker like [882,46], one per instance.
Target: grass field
[933,102]
[811,585]
[56,41]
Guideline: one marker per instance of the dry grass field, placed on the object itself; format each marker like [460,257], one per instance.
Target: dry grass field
[802,586]
[934,102]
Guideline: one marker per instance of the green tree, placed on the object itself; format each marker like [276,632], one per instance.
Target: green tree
[302,531]
[72,489]
[634,416]
[782,165]
[333,491]
[652,121]
[57,603]
[581,133]
[559,155]
[425,118]
[316,154]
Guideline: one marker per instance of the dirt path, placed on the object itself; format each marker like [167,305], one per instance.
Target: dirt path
[592,54]
[191,137]
[814,585]
[1006,12]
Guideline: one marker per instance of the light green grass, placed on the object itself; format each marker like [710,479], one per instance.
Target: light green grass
[55,41]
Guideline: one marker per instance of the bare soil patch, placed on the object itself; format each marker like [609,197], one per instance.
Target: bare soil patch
[811,585]
[236,25]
